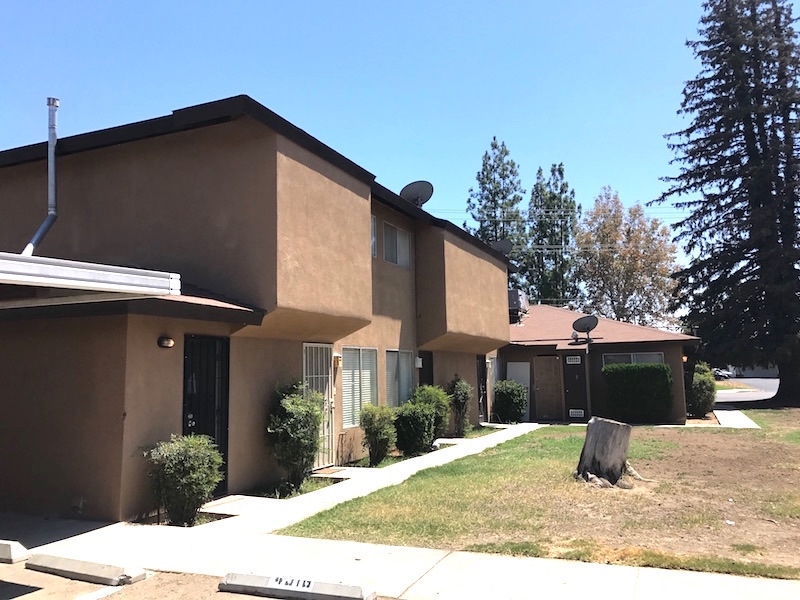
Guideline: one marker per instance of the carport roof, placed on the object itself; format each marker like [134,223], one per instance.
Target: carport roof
[552,326]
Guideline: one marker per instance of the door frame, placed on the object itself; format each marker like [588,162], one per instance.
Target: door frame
[220,381]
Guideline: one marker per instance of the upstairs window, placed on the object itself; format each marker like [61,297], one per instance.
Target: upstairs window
[374,238]
[396,245]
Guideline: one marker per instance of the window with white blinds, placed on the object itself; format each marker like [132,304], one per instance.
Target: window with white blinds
[399,376]
[359,382]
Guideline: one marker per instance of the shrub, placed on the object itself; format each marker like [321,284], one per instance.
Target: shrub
[509,401]
[700,397]
[293,430]
[437,398]
[639,393]
[379,432]
[414,425]
[460,393]
[184,471]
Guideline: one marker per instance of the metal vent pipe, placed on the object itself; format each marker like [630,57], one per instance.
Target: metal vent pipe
[52,212]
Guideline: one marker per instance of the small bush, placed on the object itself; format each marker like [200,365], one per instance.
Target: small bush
[460,393]
[436,397]
[700,397]
[293,430]
[509,401]
[379,432]
[639,393]
[414,425]
[184,471]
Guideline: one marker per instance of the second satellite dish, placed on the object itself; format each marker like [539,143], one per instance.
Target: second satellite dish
[502,246]
[585,324]
[417,192]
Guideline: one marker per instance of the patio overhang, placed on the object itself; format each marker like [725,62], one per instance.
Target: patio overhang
[56,273]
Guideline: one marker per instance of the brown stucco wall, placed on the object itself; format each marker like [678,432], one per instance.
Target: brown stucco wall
[63,386]
[153,398]
[323,239]
[462,302]
[446,365]
[392,326]
[200,203]
[256,367]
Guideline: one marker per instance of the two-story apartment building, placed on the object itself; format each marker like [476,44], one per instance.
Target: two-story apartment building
[295,264]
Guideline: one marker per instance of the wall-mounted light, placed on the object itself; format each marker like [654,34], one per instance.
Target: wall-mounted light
[685,358]
[418,362]
[165,342]
[337,360]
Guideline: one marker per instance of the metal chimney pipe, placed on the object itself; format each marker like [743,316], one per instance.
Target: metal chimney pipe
[52,212]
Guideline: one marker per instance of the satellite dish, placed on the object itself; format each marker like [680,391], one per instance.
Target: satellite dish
[417,192]
[502,246]
[585,324]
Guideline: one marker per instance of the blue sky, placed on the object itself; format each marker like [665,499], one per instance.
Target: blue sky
[409,90]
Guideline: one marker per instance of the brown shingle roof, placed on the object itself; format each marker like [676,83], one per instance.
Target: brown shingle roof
[552,326]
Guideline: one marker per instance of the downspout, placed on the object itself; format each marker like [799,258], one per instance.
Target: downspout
[52,213]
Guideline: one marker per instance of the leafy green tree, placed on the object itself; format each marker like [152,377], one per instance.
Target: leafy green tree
[625,262]
[548,265]
[495,203]
[739,167]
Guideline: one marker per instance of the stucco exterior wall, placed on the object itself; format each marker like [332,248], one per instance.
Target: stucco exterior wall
[256,367]
[323,243]
[153,398]
[200,203]
[462,302]
[392,327]
[62,406]
[446,365]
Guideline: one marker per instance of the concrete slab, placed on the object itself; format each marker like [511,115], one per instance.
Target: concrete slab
[735,419]
[11,551]
[71,568]
[291,588]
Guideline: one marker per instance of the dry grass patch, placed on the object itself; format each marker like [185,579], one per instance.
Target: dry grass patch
[715,492]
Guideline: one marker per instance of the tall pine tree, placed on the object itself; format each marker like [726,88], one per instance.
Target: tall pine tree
[548,265]
[739,165]
[495,203]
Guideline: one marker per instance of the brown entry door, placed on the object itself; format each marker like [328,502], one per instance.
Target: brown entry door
[547,388]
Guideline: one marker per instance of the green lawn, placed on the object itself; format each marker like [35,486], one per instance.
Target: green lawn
[519,498]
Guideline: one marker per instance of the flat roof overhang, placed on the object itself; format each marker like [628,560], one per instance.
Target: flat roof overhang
[39,271]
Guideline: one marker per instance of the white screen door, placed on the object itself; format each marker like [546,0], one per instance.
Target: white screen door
[318,376]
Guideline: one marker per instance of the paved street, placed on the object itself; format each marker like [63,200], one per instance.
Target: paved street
[765,389]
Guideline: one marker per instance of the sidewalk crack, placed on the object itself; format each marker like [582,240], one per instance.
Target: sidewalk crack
[418,579]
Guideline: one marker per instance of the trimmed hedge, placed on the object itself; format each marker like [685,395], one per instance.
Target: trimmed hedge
[380,434]
[414,425]
[639,393]
[702,394]
[184,471]
[437,398]
[509,401]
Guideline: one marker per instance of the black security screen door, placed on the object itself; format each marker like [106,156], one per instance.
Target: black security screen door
[205,392]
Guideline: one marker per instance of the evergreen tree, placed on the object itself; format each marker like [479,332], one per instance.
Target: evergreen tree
[739,163]
[495,203]
[548,266]
[625,263]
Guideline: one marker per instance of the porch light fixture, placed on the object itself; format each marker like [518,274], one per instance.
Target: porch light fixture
[685,358]
[165,342]
[337,360]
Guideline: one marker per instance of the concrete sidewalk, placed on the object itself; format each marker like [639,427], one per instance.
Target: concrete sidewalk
[244,543]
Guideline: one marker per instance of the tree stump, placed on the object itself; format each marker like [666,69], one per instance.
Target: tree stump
[605,452]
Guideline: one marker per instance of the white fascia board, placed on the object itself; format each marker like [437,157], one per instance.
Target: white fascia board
[58,273]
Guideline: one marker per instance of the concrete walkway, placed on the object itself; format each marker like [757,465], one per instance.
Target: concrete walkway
[244,543]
